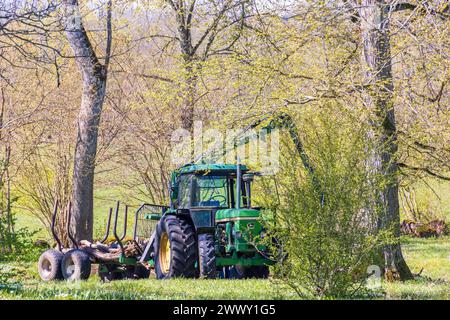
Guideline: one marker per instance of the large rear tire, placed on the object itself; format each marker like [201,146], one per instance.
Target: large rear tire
[170,255]
[49,265]
[76,265]
[190,248]
[207,256]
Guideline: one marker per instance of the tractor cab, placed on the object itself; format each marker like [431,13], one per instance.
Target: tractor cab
[211,186]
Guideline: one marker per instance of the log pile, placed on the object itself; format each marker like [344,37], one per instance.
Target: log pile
[435,228]
[109,253]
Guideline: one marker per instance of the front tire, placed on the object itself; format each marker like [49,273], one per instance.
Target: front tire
[207,256]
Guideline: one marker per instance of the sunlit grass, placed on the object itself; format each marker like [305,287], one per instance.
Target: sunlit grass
[432,255]
[149,289]
[152,289]
[418,289]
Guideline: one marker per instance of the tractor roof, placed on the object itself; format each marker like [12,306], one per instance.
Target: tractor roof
[210,168]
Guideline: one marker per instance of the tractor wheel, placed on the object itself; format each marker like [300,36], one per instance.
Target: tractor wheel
[256,272]
[76,265]
[170,256]
[207,256]
[190,249]
[49,265]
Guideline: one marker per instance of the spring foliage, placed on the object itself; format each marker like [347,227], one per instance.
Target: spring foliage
[325,221]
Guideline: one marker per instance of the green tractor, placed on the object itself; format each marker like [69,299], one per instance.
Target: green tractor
[211,229]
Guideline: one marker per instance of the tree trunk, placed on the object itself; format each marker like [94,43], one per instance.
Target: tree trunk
[184,16]
[188,111]
[94,76]
[375,18]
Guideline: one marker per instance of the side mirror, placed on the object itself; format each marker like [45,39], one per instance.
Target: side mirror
[173,192]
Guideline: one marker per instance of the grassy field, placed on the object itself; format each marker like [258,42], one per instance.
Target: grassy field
[431,255]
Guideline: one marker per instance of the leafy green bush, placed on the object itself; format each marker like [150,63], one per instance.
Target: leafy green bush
[325,221]
[10,274]
[17,245]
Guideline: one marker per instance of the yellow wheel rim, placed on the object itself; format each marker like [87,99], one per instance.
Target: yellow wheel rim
[164,253]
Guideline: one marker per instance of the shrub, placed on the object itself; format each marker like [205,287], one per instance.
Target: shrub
[10,275]
[326,221]
[17,244]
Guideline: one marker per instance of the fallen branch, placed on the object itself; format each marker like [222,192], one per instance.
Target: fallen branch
[435,228]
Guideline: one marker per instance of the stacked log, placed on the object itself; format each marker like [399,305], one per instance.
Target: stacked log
[435,228]
[109,253]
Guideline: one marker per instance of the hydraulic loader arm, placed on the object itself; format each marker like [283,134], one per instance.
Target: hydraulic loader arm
[148,251]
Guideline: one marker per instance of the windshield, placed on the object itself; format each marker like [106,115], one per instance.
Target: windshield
[210,191]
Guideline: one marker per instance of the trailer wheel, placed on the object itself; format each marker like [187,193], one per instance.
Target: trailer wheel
[49,265]
[76,265]
[207,256]
[170,256]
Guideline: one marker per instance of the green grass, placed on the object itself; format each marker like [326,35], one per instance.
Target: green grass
[27,220]
[432,195]
[149,290]
[429,254]
[423,289]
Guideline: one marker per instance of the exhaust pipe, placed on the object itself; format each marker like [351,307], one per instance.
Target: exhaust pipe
[238,184]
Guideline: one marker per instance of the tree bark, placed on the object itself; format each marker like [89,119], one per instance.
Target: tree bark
[184,16]
[188,112]
[5,181]
[377,60]
[94,76]
[184,13]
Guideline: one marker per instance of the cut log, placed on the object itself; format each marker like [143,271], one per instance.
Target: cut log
[112,253]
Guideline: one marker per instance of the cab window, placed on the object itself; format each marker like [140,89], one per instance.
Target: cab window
[184,192]
[210,191]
